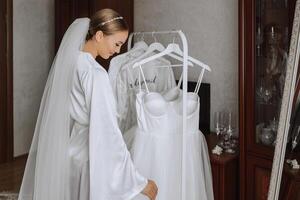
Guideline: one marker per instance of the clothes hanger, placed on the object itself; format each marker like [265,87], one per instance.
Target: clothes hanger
[172,48]
[138,45]
[130,38]
[156,46]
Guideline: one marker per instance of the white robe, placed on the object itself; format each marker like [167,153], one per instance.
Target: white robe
[125,82]
[101,166]
[118,61]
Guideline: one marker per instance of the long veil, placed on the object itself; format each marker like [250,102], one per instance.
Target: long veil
[47,168]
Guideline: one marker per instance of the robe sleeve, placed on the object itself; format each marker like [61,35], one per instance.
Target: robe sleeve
[112,173]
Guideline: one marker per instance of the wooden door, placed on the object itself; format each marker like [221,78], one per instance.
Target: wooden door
[6,81]
[66,11]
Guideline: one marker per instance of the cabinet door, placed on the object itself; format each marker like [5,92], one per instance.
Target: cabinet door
[272,22]
[259,173]
[264,33]
[215,168]
[294,192]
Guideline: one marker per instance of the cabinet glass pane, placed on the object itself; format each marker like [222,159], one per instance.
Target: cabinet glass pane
[272,27]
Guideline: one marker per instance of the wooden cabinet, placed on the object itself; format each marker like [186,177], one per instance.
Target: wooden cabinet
[258,174]
[66,11]
[264,32]
[290,186]
[224,171]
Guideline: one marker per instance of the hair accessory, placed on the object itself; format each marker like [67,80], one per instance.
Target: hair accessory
[111,20]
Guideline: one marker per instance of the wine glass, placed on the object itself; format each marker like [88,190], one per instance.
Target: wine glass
[230,131]
[221,126]
[260,91]
[267,95]
[217,121]
[259,40]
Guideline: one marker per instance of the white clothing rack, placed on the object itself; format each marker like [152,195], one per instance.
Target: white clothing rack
[129,44]
[185,79]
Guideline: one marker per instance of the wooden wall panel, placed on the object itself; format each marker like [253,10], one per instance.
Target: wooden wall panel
[124,7]
[66,11]
[6,81]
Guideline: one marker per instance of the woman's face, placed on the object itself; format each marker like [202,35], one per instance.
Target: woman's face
[108,45]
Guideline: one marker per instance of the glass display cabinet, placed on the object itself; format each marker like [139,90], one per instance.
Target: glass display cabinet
[272,33]
[264,34]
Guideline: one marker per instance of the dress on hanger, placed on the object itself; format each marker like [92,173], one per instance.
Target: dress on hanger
[101,166]
[118,61]
[157,146]
[125,82]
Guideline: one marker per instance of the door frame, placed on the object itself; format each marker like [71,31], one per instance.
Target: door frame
[6,82]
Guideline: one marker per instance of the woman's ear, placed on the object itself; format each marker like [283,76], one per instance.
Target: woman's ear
[99,36]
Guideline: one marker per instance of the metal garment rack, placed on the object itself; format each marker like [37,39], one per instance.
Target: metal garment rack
[185,80]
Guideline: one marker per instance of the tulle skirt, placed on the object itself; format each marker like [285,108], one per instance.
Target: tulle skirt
[159,157]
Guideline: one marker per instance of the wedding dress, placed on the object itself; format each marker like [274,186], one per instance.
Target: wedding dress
[125,81]
[157,146]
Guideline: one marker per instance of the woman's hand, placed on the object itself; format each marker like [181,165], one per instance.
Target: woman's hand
[150,190]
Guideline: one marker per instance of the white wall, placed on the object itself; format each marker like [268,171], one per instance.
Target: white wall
[33,50]
[211,27]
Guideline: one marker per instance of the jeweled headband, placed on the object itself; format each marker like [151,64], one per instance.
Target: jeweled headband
[111,20]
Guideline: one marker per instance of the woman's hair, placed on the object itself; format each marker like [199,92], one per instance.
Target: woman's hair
[108,21]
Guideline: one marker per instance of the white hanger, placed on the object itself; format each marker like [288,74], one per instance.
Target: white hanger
[156,46]
[130,38]
[172,47]
[138,46]
[151,48]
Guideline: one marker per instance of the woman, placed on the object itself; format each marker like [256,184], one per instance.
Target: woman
[78,152]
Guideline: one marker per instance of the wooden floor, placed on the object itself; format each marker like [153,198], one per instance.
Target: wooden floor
[11,174]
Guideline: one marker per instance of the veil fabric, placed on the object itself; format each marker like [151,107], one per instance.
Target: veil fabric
[47,169]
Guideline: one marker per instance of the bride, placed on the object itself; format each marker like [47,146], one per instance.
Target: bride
[78,152]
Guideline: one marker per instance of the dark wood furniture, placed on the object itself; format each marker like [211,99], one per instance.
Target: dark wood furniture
[66,11]
[264,27]
[290,187]
[224,171]
[6,82]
